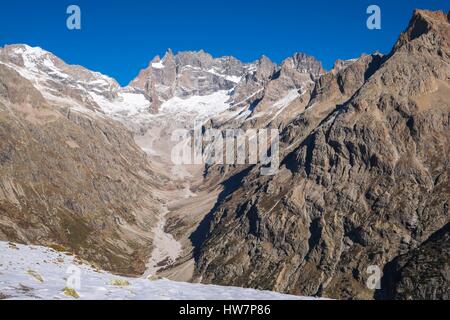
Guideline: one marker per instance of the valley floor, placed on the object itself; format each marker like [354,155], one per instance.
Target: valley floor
[186,202]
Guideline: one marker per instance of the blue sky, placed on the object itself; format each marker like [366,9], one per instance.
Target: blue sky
[120,37]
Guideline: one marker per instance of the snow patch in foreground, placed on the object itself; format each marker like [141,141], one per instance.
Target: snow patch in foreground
[36,272]
[158,65]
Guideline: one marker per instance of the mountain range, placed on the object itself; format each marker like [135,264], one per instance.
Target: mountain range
[86,167]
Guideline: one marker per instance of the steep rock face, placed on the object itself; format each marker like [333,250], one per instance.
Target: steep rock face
[187,74]
[368,183]
[422,273]
[331,91]
[72,179]
[302,97]
[271,95]
[249,89]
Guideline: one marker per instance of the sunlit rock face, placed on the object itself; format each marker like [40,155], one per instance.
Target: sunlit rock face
[364,181]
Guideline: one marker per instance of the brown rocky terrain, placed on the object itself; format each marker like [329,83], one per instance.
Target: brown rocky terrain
[363,181]
[73,179]
[187,74]
[421,273]
[364,178]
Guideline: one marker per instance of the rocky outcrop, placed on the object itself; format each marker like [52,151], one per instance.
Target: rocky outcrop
[249,90]
[295,100]
[272,95]
[367,183]
[363,182]
[254,89]
[294,78]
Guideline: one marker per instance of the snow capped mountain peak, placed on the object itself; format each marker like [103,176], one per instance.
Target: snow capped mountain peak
[303,63]
[32,56]
[26,50]
[187,74]
[182,86]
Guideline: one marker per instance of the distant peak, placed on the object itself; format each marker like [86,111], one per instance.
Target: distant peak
[26,49]
[423,21]
[264,60]
[342,64]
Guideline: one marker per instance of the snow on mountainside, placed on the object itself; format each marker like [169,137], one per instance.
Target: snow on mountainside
[176,92]
[83,90]
[180,86]
[35,272]
[204,106]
